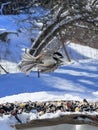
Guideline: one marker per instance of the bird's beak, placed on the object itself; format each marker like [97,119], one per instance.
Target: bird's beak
[62,60]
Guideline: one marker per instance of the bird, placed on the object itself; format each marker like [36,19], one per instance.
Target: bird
[44,62]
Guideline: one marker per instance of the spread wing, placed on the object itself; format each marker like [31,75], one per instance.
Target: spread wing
[53,46]
[30,62]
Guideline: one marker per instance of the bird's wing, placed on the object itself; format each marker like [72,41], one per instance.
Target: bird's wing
[29,61]
[53,46]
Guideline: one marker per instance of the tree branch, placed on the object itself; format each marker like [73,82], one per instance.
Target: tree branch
[63,119]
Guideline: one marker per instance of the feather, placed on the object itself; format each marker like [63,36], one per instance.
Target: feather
[46,61]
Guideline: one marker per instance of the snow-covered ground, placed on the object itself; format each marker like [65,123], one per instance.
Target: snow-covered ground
[75,80]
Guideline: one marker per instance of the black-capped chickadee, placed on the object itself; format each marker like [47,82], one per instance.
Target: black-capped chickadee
[44,62]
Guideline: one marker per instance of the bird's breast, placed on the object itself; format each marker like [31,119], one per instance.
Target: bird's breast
[49,61]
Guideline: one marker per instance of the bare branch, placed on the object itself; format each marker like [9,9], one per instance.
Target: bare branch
[64,119]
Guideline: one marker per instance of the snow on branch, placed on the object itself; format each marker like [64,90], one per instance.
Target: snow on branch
[69,13]
[63,119]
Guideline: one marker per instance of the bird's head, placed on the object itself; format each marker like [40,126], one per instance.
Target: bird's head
[58,57]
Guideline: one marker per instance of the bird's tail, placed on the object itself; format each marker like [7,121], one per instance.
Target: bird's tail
[27,63]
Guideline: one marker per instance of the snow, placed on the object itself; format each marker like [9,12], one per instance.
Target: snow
[6,120]
[44,96]
[7,22]
[73,81]
[4,124]
[77,79]
[95,93]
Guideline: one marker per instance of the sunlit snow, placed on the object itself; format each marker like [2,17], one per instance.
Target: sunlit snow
[75,80]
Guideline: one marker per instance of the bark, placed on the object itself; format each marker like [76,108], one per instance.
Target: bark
[64,119]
